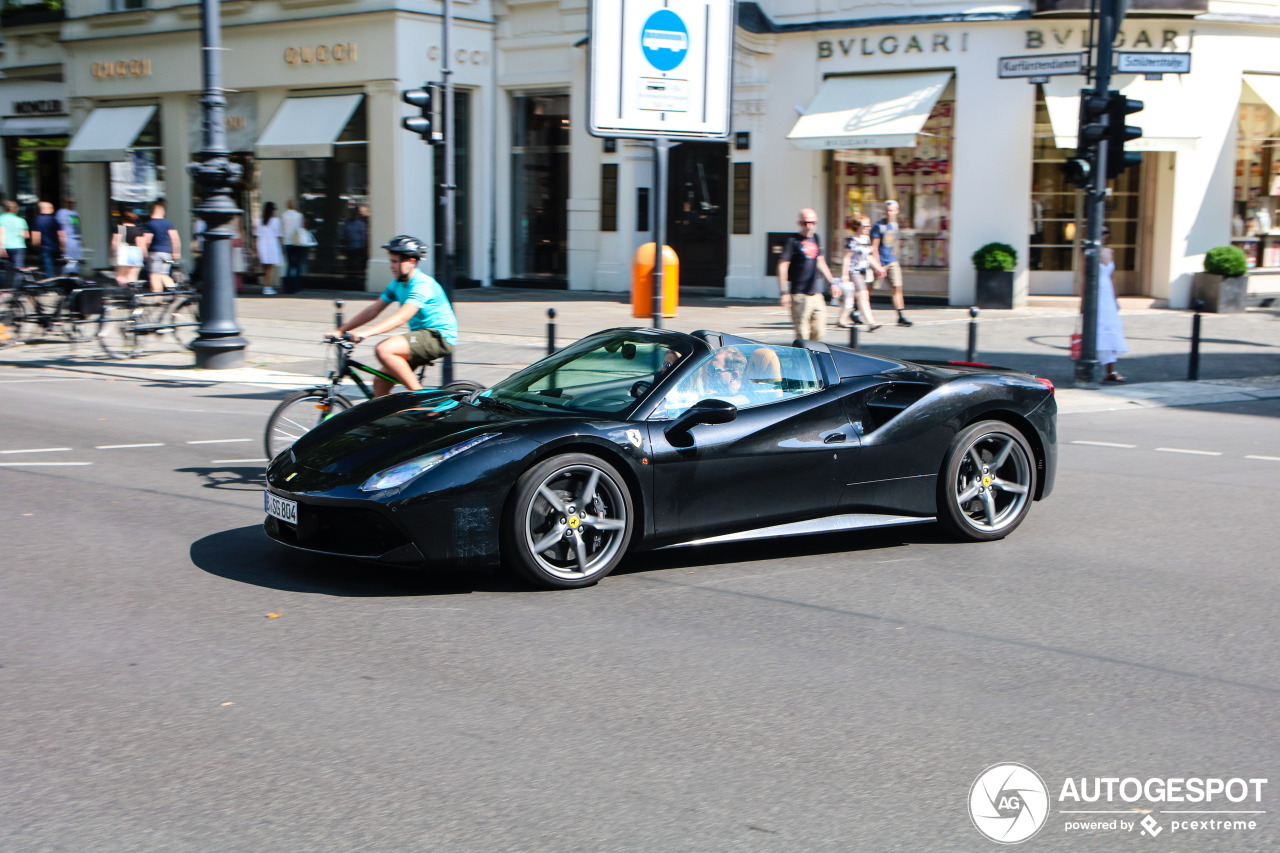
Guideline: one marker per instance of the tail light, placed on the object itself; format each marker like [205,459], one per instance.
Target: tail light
[969,363]
[1048,383]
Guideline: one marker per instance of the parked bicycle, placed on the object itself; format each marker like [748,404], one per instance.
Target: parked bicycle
[135,317]
[304,410]
[65,306]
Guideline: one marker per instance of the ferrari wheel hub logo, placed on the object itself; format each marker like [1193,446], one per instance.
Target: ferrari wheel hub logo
[574,521]
[986,481]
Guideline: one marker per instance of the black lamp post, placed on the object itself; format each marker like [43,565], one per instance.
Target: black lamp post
[219,345]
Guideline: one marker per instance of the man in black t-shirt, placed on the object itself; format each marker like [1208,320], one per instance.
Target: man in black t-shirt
[162,245]
[798,268]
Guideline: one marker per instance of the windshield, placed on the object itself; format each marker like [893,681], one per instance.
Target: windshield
[606,373]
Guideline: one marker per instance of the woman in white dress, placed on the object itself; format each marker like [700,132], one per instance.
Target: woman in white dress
[1111,343]
[270,252]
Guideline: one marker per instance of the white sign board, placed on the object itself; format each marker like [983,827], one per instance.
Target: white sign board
[1041,66]
[661,68]
[1152,62]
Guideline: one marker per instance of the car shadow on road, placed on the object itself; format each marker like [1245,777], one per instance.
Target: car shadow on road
[246,555]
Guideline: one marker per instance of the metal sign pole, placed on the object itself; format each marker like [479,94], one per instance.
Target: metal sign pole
[449,183]
[661,150]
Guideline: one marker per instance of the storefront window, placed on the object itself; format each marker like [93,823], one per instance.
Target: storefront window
[918,178]
[36,169]
[333,196]
[540,186]
[1057,218]
[461,195]
[138,183]
[1254,225]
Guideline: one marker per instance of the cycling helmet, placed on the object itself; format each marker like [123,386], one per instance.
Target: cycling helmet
[403,244]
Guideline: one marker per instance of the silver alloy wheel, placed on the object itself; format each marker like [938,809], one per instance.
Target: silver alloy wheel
[576,521]
[993,482]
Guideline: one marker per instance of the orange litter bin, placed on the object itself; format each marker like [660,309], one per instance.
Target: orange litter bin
[642,282]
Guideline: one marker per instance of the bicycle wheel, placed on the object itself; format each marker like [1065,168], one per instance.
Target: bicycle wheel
[18,315]
[184,314]
[299,413]
[118,335]
[88,307]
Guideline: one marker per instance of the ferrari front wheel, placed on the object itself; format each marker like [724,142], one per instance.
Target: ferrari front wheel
[986,485]
[569,522]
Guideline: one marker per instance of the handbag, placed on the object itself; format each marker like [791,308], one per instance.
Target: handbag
[304,237]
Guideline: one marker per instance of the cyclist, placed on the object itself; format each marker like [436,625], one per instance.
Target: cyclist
[433,327]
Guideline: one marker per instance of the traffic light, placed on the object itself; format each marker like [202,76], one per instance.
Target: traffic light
[423,124]
[1078,170]
[1118,133]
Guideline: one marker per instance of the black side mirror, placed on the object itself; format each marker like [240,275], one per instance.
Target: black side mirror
[704,412]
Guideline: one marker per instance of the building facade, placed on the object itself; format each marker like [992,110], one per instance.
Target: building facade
[839,109]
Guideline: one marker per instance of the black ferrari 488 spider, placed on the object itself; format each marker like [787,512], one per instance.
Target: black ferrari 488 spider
[643,438]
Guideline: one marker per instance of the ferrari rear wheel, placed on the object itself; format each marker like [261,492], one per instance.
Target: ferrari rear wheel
[987,483]
[569,522]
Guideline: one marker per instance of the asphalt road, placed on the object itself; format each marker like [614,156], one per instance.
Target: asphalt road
[170,680]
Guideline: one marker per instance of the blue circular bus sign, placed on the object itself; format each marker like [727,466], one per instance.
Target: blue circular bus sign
[665,40]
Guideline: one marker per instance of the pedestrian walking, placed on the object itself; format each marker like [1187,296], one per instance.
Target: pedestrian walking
[1111,342]
[884,255]
[125,249]
[15,236]
[161,246]
[854,272]
[47,237]
[798,270]
[296,246]
[267,233]
[69,223]
[355,241]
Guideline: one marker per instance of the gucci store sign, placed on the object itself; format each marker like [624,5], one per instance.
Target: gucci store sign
[240,121]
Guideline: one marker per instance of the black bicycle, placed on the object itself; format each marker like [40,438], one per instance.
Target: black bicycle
[136,317]
[65,306]
[303,410]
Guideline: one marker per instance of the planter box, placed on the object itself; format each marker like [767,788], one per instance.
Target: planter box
[995,289]
[1220,295]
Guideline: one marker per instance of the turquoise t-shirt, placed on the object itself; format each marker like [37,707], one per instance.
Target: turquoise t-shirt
[13,226]
[434,311]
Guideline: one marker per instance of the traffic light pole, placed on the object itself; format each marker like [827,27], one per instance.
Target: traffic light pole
[1088,372]
[449,185]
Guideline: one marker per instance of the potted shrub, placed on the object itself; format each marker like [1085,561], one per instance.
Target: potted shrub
[994,263]
[1224,282]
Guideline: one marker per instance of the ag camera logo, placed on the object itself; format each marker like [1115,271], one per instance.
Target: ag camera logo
[665,40]
[1008,803]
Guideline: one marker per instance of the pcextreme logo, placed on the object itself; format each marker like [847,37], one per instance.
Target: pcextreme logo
[1009,803]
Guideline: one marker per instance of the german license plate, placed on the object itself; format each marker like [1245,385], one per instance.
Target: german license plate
[281,508]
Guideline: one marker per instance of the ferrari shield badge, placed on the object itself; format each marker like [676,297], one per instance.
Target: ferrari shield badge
[633,436]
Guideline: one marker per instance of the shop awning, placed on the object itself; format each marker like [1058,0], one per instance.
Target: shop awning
[1267,86]
[36,126]
[869,111]
[1167,119]
[306,127]
[108,134]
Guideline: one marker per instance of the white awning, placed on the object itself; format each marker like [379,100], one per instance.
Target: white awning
[306,127]
[1267,86]
[1168,116]
[108,134]
[36,126]
[869,111]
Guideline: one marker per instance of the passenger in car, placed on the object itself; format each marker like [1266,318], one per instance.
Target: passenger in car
[764,375]
[724,375]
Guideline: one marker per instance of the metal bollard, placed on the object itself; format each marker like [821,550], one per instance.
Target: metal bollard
[1193,366]
[853,336]
[972,353]
[337,313]
[551,331]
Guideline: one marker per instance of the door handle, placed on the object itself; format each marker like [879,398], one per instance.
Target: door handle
[834,438]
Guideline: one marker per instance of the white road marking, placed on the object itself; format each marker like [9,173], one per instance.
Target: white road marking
[126,446]
[230,461]
[220,441]
[38,450]
[29,464]
[1265,458]
[1192,452]
[48,379]
[1105,444]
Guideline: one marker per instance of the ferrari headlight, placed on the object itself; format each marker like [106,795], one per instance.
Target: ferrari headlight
[404,472]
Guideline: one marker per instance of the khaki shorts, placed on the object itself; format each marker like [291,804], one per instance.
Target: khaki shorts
[425,346]
[808,315]
[893,272]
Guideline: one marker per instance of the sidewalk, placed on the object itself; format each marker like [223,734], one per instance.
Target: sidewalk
[504,329]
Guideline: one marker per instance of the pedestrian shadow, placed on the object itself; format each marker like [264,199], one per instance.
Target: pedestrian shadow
[234,478]
[246,555]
